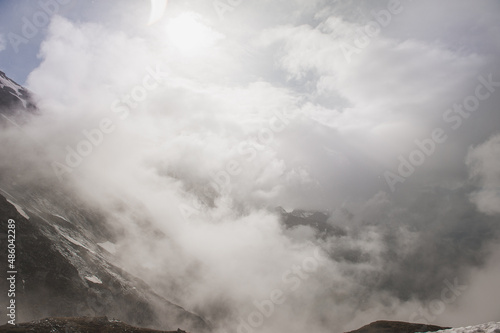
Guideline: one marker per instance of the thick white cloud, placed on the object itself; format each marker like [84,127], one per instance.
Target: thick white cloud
[272,110]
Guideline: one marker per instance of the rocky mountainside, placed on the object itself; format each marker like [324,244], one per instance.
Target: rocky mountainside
[65,258]
[63,272]
[383,326]
[79,325]
[14,97]
[105,325]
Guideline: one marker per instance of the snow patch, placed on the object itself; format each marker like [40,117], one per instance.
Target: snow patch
[6,82]
[61,217]
[93,279]
[19,209]
[108,246]
[490,327]
[74,241]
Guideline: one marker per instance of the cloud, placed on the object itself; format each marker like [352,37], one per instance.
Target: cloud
[3,42]
[484,162]
[273,117]
[380,121]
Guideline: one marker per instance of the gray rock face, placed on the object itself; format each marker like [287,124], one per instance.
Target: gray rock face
[14,97]
[315,220]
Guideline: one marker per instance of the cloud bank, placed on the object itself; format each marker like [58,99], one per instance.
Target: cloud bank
[189,154]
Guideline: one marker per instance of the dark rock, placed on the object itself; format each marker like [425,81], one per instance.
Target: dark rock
[383,326]
[76,325]
[316,220]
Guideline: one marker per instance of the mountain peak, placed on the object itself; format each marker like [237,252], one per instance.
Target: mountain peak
[14,96]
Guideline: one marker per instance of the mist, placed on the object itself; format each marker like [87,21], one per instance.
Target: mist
[188,149]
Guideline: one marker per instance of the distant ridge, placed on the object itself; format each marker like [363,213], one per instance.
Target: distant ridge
[383,326]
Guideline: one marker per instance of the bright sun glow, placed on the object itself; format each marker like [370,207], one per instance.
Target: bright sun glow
[189,35]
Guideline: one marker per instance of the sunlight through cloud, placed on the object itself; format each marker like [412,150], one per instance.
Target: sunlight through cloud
[189,35]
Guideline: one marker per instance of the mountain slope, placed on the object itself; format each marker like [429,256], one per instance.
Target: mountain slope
[62,273]
[64,247]
[384,326]
[13,96]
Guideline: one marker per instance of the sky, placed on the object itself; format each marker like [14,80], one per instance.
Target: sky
[204,116]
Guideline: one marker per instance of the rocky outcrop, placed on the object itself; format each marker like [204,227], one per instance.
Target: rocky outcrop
[383,326]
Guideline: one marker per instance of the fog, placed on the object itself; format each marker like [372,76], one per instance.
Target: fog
[189,146]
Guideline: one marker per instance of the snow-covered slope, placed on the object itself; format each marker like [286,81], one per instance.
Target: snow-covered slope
[12,88]
[14,96]
[491,327]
